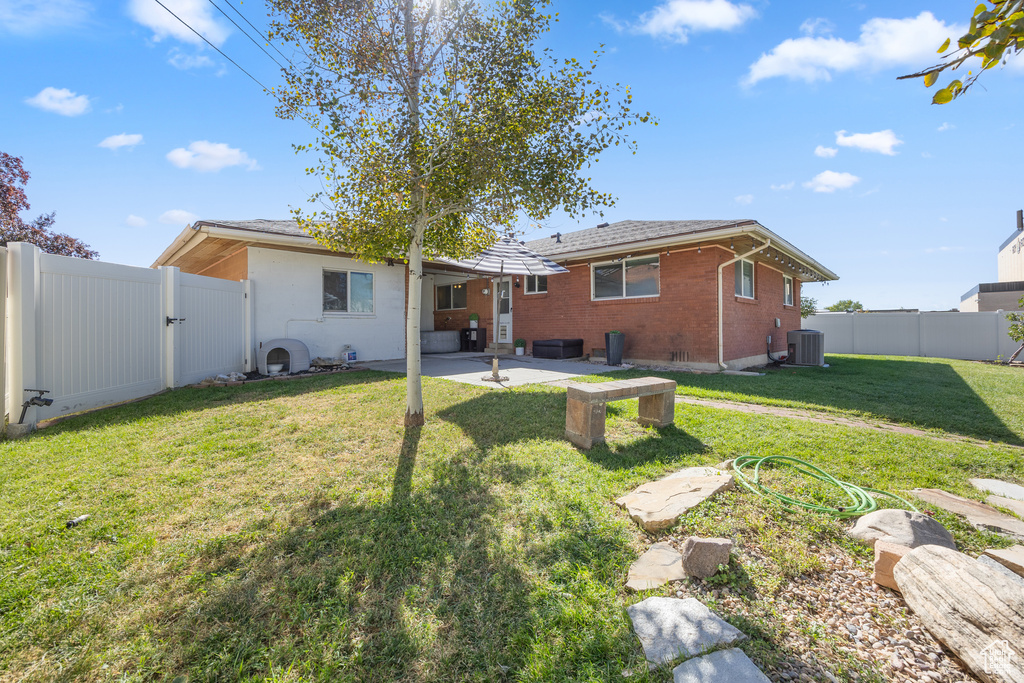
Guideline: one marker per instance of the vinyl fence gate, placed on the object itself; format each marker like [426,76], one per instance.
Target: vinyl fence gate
[92,334]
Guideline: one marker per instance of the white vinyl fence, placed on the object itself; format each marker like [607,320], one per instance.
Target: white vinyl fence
[966,336]
[93,333]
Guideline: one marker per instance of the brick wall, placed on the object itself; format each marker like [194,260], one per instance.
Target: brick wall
[748,322]
[679,325]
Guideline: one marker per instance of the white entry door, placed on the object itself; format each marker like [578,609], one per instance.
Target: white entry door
[503,314]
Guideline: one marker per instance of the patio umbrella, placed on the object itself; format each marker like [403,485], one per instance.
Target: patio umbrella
[507,256]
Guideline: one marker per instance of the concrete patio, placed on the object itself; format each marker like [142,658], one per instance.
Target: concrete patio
[471,368]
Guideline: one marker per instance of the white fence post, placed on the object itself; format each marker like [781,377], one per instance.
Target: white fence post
[170,282]
[3,334]
[23,277]
[250,364]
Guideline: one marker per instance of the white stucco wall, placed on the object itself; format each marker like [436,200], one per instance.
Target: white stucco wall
[1011,260]
[287,290]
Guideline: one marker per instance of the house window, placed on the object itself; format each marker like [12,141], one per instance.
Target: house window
[451,296]
[787,290]
[536,284]
[745,279]
[626,278]
[348,292]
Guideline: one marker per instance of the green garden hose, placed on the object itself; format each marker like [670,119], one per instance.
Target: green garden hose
[860,496]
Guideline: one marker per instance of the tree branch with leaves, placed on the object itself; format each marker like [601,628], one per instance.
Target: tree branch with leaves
[13,200]
[440,124]
[996,29]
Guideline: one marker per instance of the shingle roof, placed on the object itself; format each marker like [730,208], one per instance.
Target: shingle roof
[624,232]
[261,225]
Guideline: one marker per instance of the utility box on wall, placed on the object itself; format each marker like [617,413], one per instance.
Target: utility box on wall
[806,347]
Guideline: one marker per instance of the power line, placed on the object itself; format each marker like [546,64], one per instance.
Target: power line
[261,35]
[239,67]
[245,33]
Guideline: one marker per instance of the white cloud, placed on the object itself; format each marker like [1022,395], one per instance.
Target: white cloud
[817,26]
[28,17]
[122,140]
[945,126]
[60,101]
[138,221]
[882,43]
[825,152]
[784,186]
[883,141]
[177,217]
[830,181]
[196,13]
[203,155]
[183,61]
[677,19]
[745,199]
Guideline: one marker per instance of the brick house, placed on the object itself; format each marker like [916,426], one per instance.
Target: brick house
[655,281]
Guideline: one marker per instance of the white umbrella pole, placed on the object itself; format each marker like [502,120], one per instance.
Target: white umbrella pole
[497,315]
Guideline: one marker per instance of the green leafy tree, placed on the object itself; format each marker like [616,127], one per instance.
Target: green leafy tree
[997,28]
[440,123]
[1016,330]
[845,305]
[807,306]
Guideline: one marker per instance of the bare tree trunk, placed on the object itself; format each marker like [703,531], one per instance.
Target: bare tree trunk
[413,369]
[1015,354]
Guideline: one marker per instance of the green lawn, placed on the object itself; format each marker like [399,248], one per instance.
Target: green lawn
[295,530]
[978,400]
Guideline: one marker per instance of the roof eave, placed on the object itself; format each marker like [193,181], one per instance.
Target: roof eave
[695,237]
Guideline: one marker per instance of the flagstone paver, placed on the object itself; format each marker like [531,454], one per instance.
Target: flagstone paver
[999,487]
[724,666]
[669,628]
[658,504]
[978,514]
[659,565]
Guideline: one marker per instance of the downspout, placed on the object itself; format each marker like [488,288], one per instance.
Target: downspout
[721,326]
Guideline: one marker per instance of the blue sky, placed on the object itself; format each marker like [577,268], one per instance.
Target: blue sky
[785,112]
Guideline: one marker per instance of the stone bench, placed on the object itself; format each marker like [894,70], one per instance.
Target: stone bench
[586,406]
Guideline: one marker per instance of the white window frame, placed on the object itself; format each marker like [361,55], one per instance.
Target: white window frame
[451,298]
[348,293]
[535,279]
[753,284]
[623,263]
[788,290]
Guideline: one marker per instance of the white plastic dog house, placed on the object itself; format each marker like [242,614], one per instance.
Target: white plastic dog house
[292,353]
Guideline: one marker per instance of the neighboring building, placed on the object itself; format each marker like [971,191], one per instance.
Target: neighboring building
[1004,294]
[656,281]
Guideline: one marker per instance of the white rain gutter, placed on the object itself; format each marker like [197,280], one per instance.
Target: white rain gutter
[721,326]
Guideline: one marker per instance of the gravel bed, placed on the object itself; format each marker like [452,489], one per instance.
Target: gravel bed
[854,617]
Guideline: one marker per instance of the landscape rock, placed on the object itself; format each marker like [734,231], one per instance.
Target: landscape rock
[1012,504]
[725,465]
[659,565]
[887,555]
[978,514]
[1012,558]
[657,505]
[972,609]
[669,628]
[701,557]
[1000,488]
[901,527]
[724,666]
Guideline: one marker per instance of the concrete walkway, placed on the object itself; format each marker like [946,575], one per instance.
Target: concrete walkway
[471,368]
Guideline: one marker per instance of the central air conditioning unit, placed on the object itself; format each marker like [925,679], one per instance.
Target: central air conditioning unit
[806,347]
